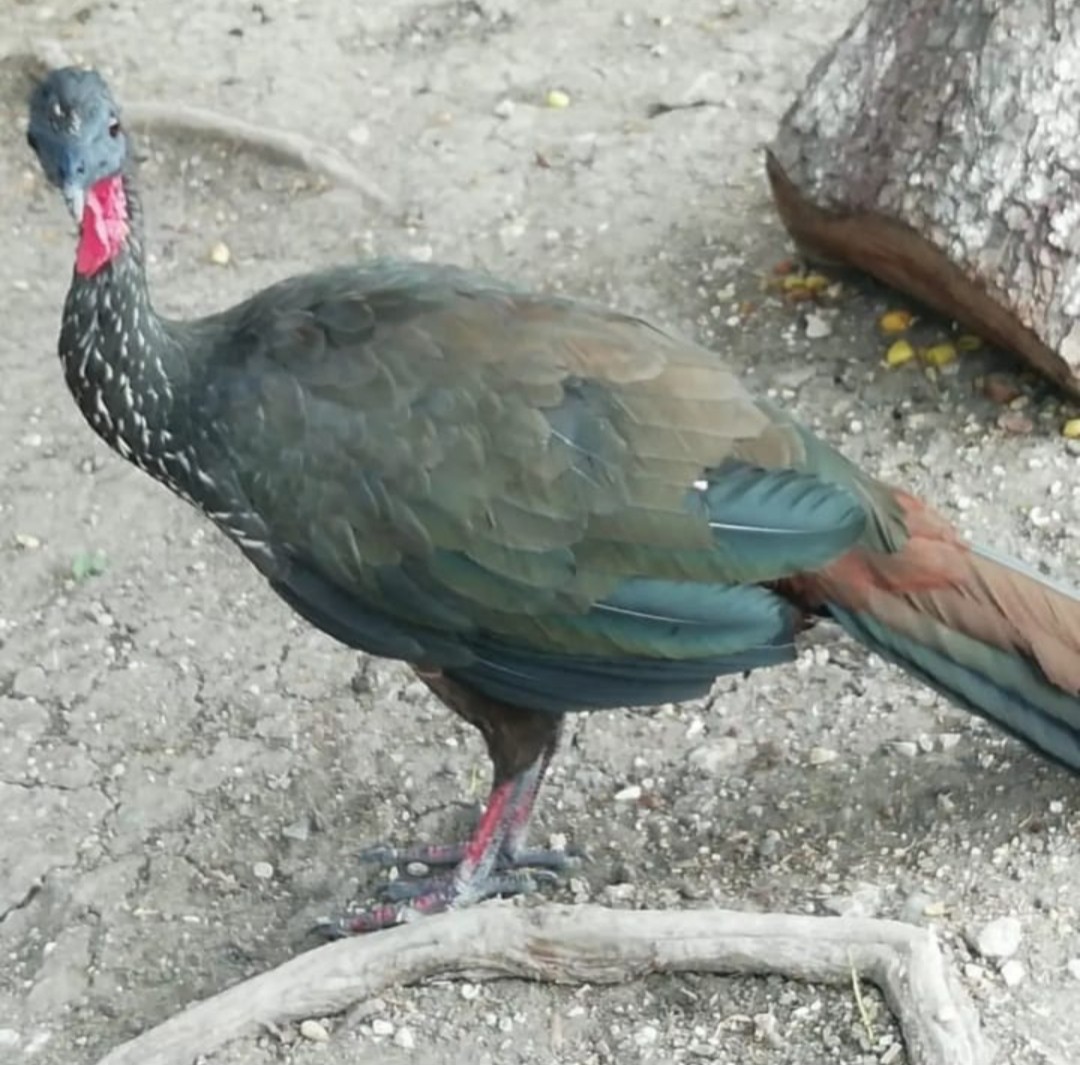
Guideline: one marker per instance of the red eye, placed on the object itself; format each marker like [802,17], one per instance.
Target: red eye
[114,128]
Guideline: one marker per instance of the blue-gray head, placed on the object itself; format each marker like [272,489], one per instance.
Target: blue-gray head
[76,133]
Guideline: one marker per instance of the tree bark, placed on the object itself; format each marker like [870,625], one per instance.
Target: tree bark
[937,147]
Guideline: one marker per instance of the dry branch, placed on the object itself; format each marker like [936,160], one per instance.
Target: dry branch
[590,944]
[283,145]
[937,147]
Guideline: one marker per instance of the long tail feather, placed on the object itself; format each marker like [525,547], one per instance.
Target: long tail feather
[984,630]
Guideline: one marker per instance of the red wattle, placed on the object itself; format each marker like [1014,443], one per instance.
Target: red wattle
[104,225]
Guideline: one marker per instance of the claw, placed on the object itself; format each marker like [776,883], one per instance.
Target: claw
[494,861]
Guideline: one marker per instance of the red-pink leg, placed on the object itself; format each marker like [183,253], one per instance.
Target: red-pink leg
[485,864]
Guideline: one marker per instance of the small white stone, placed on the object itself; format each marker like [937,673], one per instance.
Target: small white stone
[381,1026]
[1013,972]
[631,793]
[712,757]
[1073,967]
[219,253]
[822,755]
[404,1039]
[470,992]
[1057,806]
[817,326]
[262,870]
[504,108]
[647,1036]
[999,938]
[314,1031]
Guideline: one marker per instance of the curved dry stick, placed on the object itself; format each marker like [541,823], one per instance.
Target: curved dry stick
[293,148]
[594,945]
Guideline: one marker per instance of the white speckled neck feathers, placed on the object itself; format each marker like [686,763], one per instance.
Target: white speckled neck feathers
[115,349]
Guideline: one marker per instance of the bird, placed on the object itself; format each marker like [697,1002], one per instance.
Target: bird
[544,507]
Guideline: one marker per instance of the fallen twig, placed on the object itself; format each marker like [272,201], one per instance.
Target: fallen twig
[293,148]
[590,944]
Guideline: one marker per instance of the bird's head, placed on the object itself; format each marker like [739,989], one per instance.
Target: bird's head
[76,133]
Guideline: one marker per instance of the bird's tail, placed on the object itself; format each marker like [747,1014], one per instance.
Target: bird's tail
[980,628]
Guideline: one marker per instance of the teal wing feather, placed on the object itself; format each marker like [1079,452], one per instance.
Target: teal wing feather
[562,506]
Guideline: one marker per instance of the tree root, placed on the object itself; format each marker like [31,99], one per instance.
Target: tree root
[594,945]
[288,147]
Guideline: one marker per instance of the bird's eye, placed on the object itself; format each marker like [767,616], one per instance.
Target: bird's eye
[114,127]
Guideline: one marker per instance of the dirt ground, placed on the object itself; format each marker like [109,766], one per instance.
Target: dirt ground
[187,772]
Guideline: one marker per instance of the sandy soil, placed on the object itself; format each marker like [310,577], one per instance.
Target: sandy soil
[168,732]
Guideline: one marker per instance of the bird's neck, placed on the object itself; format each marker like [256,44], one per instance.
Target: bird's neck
[113,346]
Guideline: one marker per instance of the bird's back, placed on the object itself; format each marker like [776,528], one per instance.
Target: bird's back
[432,466]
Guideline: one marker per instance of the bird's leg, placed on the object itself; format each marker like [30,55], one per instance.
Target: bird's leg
[482,868]
[516,803]
[493,861]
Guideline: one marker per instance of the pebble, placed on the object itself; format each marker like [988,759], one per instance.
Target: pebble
[949,740]
[470,992]
[767,1029]
[219,253]
[631,793]
[314,1031]
[298,830]
[822,755]
[999,938]
[1013,972]
[381,1026]
[404,1038]
[817,326]
[504,108]
[262,870]
[917,906]
[618,892]
[892,1054]
[645,1037]
[1015,423]
[863,901]
[712,757]
[1073,967]
[557,99]
[906,748]
[27,541]
[30,683]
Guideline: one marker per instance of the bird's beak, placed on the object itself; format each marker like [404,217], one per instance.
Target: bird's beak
[75,198]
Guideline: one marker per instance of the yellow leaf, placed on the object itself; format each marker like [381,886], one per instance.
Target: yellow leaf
[939,354]
[816,282]
[968,342]
[895,321]
[1071,429]
[900,351]
[558,99]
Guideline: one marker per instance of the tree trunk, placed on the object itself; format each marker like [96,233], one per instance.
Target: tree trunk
[937,146]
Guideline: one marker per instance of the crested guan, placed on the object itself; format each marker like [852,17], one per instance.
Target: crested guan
[543,507]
